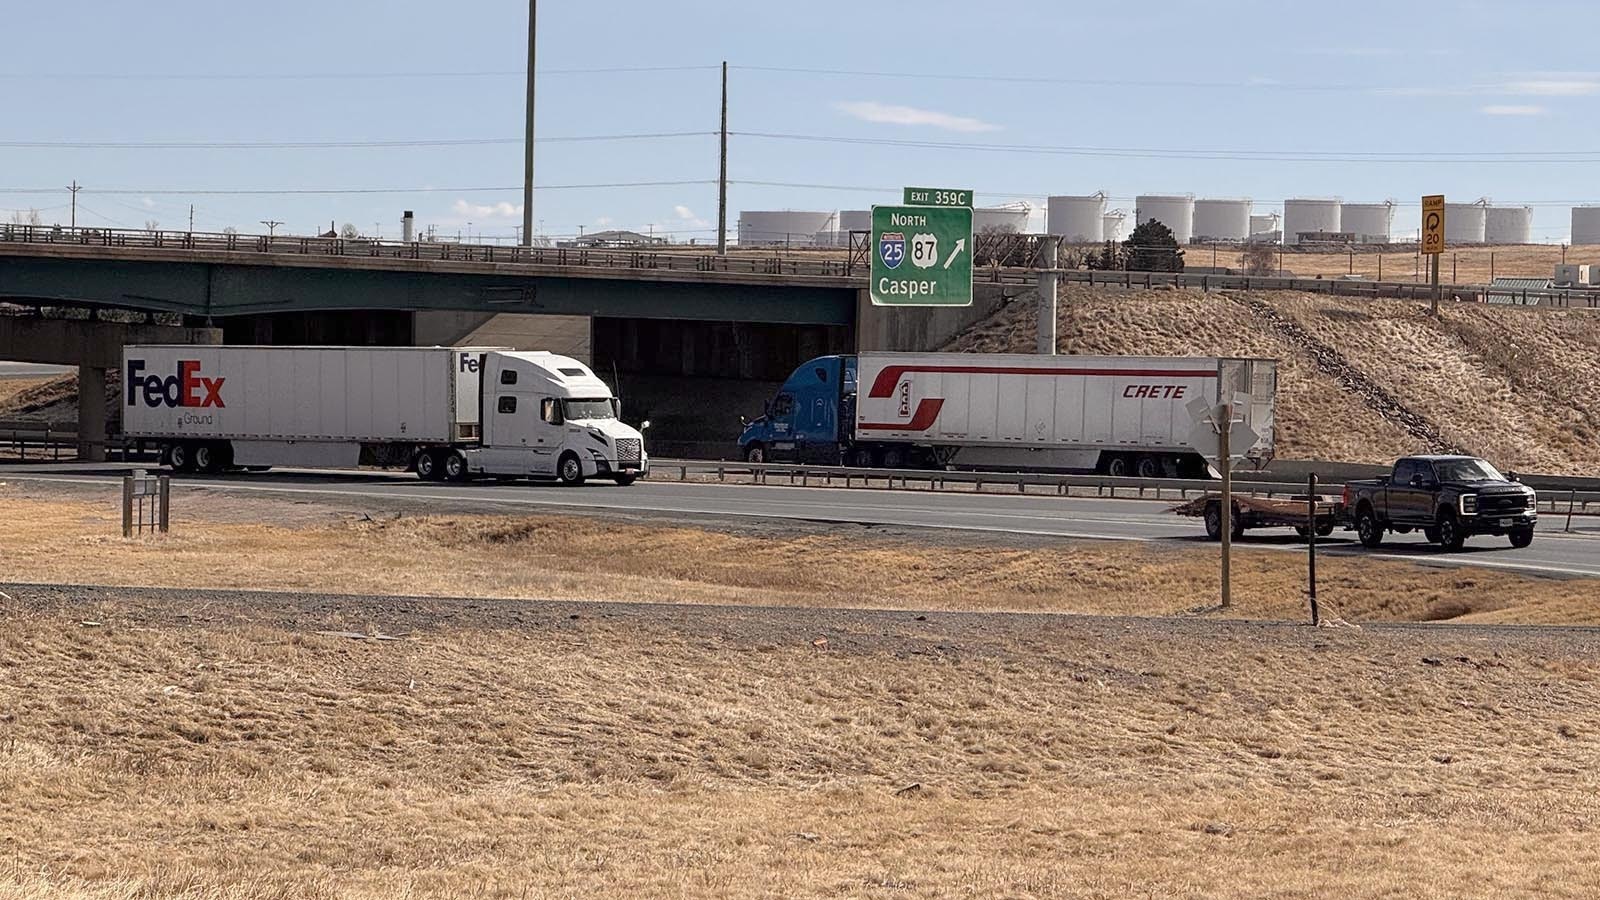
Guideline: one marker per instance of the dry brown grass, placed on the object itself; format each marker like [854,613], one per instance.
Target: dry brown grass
[1513,384]
[577,558]
[11,387]
[217,750]
[1463,265]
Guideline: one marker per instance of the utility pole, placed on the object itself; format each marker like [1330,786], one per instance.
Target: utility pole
[191,218]
[1048,246]
[722,171]
[272,226]
[75,187]
[527,142]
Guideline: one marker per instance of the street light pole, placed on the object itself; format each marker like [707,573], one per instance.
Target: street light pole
[527,143]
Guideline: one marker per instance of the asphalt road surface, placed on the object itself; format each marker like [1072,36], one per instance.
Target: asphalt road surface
[30,370]
[1552,552]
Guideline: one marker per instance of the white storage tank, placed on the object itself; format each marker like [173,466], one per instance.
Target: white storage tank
[1113,224]
[1221,220]
[1464,223]
[1508,225]
[1305,214]
[1585,225]
[1371,223]
[780,228]
[849,220]
[1009,219]
[1078,220]
[1176,211]
[1266,224]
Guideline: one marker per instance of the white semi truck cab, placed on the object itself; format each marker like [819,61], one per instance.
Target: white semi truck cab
[446,413]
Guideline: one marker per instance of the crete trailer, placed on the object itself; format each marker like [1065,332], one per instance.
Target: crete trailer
[447,414]
[1117,415]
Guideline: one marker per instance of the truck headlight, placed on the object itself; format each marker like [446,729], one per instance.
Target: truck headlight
[1469,504]
[1533,499]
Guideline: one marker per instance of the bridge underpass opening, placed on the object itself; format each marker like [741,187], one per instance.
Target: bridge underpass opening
[693,380]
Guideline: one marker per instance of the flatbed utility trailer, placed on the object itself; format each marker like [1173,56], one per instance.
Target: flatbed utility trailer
[1265,512]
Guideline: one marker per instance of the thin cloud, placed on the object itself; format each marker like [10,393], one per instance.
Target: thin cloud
[501,210]
[1513,110]
[1553,87]
[888,114]
[683,212]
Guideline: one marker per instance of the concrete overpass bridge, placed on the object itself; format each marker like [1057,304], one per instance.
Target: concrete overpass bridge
[663,315]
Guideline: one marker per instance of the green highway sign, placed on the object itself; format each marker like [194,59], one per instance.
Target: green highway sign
[921,256]
[937,197]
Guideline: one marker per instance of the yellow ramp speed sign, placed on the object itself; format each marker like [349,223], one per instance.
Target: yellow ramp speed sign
[1433,224]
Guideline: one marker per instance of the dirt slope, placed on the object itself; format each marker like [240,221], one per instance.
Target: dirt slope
[1513,384]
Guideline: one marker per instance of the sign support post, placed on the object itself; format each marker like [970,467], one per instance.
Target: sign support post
[1433,240]
[1225,463]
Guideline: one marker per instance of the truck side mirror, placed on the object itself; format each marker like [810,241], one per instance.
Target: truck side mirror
[645,425]
[1513,475]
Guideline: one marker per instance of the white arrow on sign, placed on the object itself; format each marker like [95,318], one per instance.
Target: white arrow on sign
[961,244]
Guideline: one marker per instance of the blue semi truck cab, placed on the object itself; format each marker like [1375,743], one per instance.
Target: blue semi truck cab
[812,420]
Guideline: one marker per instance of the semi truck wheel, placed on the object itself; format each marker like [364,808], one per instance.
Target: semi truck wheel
[569,470]
[1521,537]
[625,480]
[1368,529]
[208,459]
[180,457]
[1117,466]
[755,453]
[894,458]
[453,466]
[1149,467]
[427,466]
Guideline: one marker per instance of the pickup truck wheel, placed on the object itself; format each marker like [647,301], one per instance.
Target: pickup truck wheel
[1451,537]
[755,453]
[569,471]
[1213,521]
[1370,531]
[454,466]
[1521,537]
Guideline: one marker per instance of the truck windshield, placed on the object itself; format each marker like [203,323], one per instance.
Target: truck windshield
[1466,470]
[588,409]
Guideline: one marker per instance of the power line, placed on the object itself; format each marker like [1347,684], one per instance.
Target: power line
[336,191]
[333,145]
[335,76]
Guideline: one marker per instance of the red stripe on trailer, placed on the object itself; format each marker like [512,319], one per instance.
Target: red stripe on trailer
[884,384]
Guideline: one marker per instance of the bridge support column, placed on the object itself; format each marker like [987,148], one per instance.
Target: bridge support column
[91,413]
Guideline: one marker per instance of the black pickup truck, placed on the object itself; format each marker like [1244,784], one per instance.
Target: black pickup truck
[1448,497]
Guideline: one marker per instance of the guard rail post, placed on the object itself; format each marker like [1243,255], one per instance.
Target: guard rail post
[1572,497]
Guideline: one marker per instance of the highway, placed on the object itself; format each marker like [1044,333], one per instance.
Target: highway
[30,370]
[1552,553]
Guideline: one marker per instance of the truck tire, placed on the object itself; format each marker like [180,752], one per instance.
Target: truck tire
[1521,537]
[180,457]
[427,466]
[1325,529]
[1117,466]
[894,458]
[625,480]
[861,458]
[208,458]
[1213,518]
[453,466]
[569,471]
[1149,467]
[1451,536]
[1368,529]
[755,453]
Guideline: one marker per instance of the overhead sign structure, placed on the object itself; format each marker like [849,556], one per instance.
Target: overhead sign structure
[938,197]
[921,255]
[1433,224]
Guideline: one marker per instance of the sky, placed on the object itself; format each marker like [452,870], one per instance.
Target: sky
[831,105]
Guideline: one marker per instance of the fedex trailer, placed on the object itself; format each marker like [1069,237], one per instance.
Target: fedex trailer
[1117,415]
[445,413]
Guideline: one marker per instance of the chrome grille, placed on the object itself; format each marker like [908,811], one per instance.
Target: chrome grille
[629,451]
[1500,503]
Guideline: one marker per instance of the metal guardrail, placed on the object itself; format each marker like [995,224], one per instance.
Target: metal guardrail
[29,441]
[1002,259]
[1554,502]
